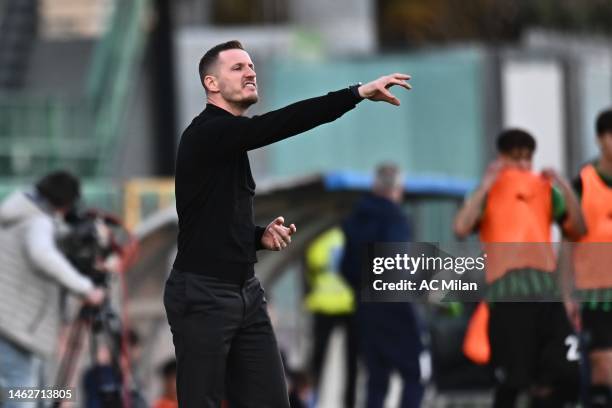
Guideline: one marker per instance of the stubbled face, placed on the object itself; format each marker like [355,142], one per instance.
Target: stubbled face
[520,157]
[234,78]
[604,140]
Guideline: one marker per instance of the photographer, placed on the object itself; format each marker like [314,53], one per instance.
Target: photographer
[33,273]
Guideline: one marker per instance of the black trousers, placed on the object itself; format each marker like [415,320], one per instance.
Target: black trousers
[533,345]
[224,343]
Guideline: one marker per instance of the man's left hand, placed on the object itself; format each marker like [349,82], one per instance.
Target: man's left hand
[276,236]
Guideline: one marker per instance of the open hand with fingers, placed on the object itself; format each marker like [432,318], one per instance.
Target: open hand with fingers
[378,90]
[276,236]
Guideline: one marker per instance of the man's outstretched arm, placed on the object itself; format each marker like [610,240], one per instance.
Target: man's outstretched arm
[243,134]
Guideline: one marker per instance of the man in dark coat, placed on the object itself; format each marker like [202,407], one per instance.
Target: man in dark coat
[389,333]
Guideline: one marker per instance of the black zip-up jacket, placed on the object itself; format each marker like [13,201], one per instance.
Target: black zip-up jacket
[214,185]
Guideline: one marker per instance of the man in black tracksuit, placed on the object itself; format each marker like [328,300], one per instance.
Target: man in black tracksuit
[224,342]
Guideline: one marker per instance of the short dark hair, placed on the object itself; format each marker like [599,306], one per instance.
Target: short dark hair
[59,188]
[168,368]
[604,122]
[511,139]
[212,55]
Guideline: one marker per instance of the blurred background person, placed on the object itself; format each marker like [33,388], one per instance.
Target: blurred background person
[103,381]
[332,303]
[33,274]
[301,391]
[593,263]
[389,333]
[513,209]
[167,398]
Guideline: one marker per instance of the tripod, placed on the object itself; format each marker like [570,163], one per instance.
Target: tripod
[97,320]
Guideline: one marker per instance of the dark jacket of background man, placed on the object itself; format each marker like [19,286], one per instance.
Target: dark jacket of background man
[389,334]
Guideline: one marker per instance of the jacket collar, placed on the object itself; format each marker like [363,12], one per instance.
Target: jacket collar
[214,110]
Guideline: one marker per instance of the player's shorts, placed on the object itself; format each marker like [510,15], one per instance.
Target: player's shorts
[533,344]
[597,326]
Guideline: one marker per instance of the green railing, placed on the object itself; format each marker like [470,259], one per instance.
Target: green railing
[40,133]
[110,78]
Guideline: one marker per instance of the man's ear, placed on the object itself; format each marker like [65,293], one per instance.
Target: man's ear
[210,83]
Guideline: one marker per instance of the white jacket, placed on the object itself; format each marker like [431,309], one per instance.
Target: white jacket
[32,272]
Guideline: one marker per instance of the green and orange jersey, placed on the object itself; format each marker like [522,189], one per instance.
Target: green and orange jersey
[593,259]
[517,216]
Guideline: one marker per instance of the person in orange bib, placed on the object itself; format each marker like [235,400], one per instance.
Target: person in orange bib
[593,263]
[513,210]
